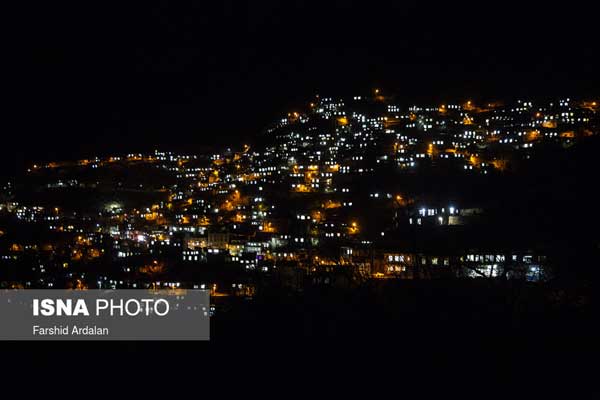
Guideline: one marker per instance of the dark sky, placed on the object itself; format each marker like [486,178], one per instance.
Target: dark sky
[87,79]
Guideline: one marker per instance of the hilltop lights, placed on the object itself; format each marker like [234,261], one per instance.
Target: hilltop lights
[319,180]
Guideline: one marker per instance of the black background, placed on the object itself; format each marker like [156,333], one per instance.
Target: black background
[93,78]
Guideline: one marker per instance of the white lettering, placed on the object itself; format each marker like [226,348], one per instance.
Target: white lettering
[59,307]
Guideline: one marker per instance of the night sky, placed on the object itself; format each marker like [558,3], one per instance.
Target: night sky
[89,79]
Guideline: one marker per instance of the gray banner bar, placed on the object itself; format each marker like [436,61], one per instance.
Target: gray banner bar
[104,315]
